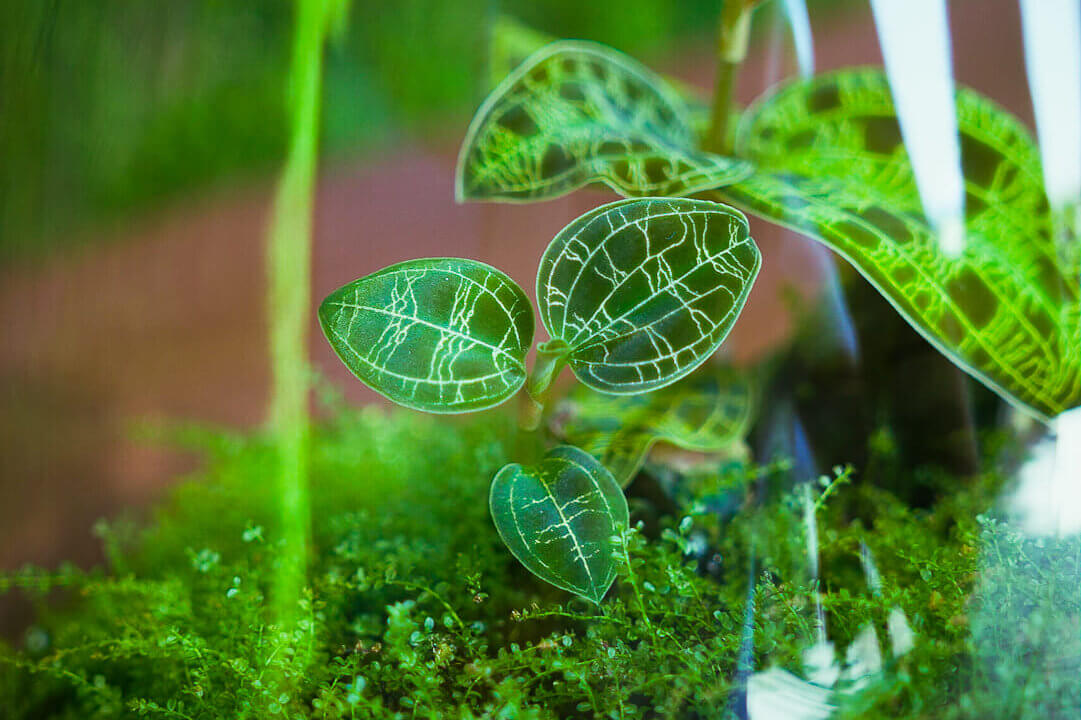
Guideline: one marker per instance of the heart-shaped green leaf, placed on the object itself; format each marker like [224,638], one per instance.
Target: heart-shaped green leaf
[641,292]
[576,113]
[705,412]
[832,164]
[559,517]
[444,335]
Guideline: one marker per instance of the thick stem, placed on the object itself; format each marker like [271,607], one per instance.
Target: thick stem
[735,29]
[289,308]
[551,357]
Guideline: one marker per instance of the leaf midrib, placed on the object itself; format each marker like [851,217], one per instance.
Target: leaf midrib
[450,331]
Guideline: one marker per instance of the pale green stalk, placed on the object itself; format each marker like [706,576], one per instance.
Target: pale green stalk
[289,309]
[734,32]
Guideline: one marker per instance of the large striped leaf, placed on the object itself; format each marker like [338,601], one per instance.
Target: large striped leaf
[576,113]
[707,412]
[831,163]
[559,518]
[638,293]
[443,335]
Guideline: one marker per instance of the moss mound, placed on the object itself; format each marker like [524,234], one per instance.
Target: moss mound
[414,608]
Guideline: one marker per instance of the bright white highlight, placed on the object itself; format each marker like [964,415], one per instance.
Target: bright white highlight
[915,40]
[1048,496]
[1067,482]
[777,694]
[796,11]
[1052,32]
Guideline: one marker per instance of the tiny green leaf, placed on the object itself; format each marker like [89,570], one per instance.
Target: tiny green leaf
[444,335]
[558,519]
[641,292]
[576,113]
[831,163]
[705,412]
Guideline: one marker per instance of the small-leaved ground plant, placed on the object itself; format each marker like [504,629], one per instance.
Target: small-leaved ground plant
[413,608]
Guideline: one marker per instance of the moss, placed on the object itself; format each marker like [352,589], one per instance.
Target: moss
[415,609]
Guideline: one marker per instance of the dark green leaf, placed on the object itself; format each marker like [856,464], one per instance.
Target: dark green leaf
[576,113]
[705,412]
[641,292]
[559,518]
[831,163]
[443,335]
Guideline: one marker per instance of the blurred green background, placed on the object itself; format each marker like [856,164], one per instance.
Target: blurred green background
[114,106]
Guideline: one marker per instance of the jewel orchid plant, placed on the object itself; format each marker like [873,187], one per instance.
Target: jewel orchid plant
[638,293]
[633,295]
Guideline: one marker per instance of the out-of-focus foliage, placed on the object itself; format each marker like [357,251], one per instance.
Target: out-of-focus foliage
[108,106]
[414,607]
[709,411]
[111,106]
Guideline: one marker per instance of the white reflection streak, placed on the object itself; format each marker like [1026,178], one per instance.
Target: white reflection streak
[1052,33]
[796,11]
[1066,486]
[915,40]
[803,41]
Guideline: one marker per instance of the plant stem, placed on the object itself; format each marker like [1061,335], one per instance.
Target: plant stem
[289,304]
[735,29]
[633,579]
[551,357]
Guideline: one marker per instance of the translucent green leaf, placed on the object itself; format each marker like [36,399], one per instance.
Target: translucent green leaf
[559,517]
[510,43]
[622,453]
[641,292]
[831,163]
[576,113]
[707,411]
[443,335]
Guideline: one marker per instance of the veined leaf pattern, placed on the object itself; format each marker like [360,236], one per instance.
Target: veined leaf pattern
[643,291]
[576,113]
[706,412]
[831,163]
[444,335]
[559,517]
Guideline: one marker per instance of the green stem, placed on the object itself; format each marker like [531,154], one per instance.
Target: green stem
[735,29]
[551,357]
[633,579]
[289,307]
